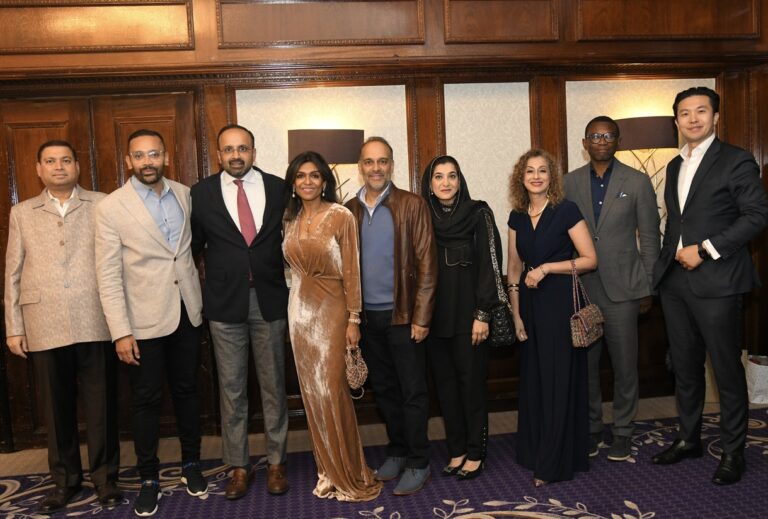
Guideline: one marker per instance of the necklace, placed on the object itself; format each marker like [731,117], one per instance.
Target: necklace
[530,207]
[308,217]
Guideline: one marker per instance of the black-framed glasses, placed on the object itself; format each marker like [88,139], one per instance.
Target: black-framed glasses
[242,149]
[595,137]
[151,155]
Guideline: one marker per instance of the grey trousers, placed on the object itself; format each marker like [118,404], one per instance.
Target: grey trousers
[231,343]
[620,337]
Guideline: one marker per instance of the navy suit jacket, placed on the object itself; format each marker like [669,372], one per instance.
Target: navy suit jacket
[727,206]
[228,259]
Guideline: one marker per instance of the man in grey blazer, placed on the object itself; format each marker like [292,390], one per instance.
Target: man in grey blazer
[619,205]
[53,317]
[150,291]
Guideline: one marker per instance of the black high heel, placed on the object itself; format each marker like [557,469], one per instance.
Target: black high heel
[467,474]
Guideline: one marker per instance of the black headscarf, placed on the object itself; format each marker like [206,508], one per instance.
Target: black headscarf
[454,225]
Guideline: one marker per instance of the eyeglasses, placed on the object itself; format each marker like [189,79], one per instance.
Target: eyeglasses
[595,137]
[242,149]
[151,154]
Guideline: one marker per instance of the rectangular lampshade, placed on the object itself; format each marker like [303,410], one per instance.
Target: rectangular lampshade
[642,133]
[336,146]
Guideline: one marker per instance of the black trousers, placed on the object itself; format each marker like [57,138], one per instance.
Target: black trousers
[460,370]
[397,372]
[695,326]
[57,371]
[176,356]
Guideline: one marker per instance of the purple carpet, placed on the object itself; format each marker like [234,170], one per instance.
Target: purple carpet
[632,490]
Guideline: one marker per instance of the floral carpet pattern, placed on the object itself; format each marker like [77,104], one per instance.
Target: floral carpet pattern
[610,490]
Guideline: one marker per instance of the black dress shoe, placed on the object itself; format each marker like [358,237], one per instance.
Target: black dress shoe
[679,451]
[471,474]
[58,499]
[109,494]
[450,471]
[729,471]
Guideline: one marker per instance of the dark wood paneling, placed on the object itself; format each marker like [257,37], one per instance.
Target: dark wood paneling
[253,23]
[664,20]
[25,126]
[116,117]
[503,21]
[95,26]
[548,117]
[757,302]
[216,104]
[426,125]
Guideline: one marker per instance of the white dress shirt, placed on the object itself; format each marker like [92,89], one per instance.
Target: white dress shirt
[62,207]
[253,184]
[688,169]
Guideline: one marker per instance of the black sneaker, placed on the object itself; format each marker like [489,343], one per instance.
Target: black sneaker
[146,502]
[196,483]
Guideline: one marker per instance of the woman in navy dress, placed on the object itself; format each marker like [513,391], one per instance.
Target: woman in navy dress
[544,231]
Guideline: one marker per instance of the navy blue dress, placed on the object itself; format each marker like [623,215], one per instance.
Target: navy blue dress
[553,420]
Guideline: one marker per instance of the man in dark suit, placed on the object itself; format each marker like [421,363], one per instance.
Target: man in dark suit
[619,205]
[237,225]
[715,205]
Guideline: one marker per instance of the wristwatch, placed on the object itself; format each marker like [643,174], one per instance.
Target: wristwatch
[703,253]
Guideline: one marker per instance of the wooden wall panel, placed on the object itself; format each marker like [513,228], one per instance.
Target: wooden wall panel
[45,27]
[661,19]
[426,125]
[25,126]
[254,23]
[116,117]
[503,21]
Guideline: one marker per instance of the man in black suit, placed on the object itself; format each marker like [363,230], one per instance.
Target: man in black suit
[715,205]
[237,225]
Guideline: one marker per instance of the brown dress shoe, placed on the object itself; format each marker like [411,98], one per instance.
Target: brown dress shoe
[238,484]
[277,482]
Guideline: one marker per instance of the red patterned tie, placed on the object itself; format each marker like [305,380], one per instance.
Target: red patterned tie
[247,225]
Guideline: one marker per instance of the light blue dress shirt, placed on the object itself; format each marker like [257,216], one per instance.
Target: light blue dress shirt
[164,209]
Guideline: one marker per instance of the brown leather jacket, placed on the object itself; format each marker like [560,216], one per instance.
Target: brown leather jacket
[415,255]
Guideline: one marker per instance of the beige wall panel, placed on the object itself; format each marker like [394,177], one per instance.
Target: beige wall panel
[316,23]
[468,21]
[487,129]
[92,28]
[378,110]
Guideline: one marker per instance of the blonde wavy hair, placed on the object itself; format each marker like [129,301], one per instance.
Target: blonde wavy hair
[518,195]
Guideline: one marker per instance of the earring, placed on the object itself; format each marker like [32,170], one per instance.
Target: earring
[322,193]
[293,195]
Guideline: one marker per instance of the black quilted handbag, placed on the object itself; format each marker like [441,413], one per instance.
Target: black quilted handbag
[501,327]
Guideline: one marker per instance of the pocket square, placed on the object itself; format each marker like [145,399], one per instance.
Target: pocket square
[622,194]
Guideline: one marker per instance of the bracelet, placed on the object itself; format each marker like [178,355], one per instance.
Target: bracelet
[482,316]
[354,320]
[515,288]
[541,267]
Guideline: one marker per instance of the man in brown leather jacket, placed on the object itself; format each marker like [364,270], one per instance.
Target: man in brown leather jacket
[399,276]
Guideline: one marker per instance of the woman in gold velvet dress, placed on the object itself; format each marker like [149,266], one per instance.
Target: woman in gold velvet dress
[321,246]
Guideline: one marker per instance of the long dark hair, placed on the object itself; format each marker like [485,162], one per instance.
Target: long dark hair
[293,203]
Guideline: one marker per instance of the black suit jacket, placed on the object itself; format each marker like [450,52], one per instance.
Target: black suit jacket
[228,259]
[726,205]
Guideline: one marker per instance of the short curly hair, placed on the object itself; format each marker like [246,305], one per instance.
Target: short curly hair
[518,195]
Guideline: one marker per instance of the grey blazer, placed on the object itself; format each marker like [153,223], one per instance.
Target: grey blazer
[627,235]
[50,283]
[142,282]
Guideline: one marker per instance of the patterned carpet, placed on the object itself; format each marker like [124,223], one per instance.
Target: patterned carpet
[634,490]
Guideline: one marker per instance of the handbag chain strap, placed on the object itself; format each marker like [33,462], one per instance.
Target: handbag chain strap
[578,286]
[494,260]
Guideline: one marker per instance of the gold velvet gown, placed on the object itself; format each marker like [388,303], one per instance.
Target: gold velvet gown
[325,287]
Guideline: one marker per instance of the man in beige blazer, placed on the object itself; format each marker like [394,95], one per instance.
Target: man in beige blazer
[150,292]
[53,317]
